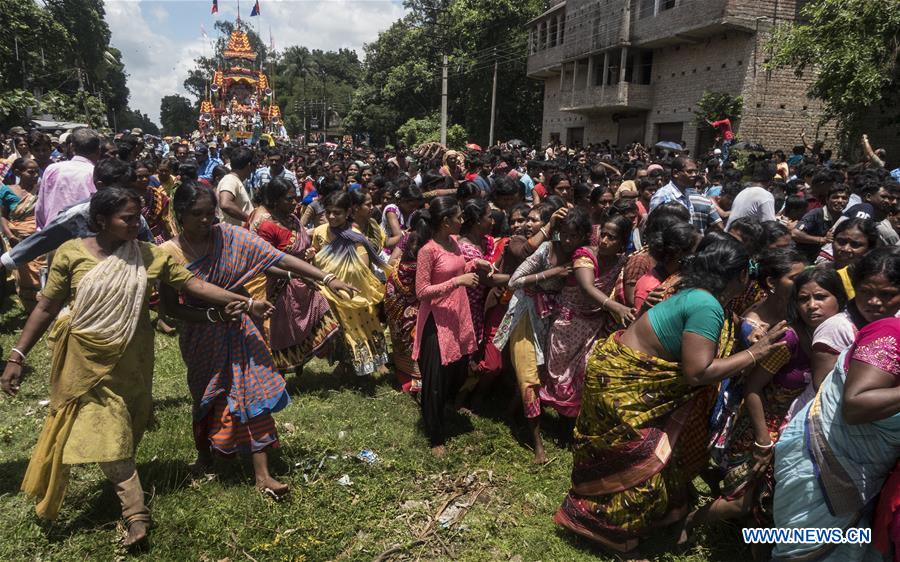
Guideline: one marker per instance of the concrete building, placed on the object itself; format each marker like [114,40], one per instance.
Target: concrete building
[633,70]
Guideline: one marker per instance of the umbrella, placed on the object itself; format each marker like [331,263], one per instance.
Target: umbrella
[515,142]
[751,146]
[670,145]
[473,146]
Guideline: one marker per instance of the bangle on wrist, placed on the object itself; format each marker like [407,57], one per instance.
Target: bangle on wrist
[769,446]
[604,303]
[753,357]
[19,352]
[16,361]
[219,314]
[209,317]
[289,276]
[545,231]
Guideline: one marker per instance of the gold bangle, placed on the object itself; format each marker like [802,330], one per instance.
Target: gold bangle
[753,357]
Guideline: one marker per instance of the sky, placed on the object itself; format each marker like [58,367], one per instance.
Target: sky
[160,39]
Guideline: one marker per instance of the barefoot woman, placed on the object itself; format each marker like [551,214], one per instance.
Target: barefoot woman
[230,371]
[640,438]
[100,375]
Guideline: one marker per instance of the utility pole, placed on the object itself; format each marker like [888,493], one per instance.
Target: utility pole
[444,102]
[493,101]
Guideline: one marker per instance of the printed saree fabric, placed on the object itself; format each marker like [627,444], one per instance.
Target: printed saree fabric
[22,223]
[350,256]
[640,439]
[230,360]
[302,324]
[402,308]
[828,472]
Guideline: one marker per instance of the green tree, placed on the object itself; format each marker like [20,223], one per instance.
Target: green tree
[177,115]
[853,46]
[62,49]
[713,106]
[402,68]
[80,106]
[13,104]
[428,129]
[33,48]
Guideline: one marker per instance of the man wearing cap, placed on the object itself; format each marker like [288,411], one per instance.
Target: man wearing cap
[205,162]
[66,183]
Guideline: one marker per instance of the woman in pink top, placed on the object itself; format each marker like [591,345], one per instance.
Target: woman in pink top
[444,332]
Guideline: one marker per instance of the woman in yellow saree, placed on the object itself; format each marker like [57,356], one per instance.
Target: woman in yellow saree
[640,438]
[341,249]
[102,362]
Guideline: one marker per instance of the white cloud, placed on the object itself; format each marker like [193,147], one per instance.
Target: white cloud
[158,62]
[156,65]
[160,14]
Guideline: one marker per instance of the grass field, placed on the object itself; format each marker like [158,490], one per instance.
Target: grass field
[494,504]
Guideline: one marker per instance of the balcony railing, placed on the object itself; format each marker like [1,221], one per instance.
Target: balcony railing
[607,98]
[543,62]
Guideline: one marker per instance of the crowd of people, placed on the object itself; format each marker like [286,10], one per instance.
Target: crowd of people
[731,317]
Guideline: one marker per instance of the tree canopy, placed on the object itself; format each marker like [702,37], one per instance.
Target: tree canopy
[177,115]
[61,50]
[401,76]
[853,46]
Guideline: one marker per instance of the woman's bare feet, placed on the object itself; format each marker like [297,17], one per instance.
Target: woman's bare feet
[438,451]
[164,327]
[540,457]
[272,488]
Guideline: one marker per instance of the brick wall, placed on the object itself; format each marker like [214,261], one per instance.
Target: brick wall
[777,108]
[682,73]
[556,121]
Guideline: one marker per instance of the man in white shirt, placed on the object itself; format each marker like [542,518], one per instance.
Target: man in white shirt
[755,201]
[234,200]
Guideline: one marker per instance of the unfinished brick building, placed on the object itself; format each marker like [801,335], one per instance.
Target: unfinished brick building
[633,70]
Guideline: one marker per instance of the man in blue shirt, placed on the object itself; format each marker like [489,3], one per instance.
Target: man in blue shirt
[275,169]
[205,163]
[681,188]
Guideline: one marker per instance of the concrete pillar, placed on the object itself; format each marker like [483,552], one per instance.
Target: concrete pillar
[623,63]
[559,29]
[574,81]
[605,68]
[589,80]
[562,78]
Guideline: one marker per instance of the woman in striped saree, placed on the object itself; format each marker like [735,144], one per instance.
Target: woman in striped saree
[231,373]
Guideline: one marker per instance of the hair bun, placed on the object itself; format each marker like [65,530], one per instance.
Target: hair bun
[423,215]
